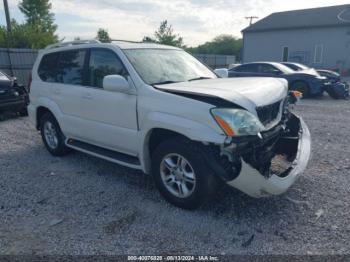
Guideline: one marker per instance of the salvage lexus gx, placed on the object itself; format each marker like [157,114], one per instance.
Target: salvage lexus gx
[158,109]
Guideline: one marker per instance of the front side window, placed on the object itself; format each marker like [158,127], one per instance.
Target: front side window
[104,62]
[70,67]
[159,66]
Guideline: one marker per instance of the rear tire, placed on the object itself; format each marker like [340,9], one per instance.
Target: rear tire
[181,174]
[301,87]
[52,135]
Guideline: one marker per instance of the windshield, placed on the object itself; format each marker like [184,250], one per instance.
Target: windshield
[162,66]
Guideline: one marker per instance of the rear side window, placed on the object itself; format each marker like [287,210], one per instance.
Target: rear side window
[71,67]
[104,62]
[48,67]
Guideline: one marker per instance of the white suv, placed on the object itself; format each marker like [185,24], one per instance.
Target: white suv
[157,109]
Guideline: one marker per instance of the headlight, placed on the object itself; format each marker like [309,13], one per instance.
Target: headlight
[237,122]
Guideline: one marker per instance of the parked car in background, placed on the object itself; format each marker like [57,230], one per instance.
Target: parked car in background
[337,89]
[310,83]
[158,109]
[230,66]
[334,77]
[13,97]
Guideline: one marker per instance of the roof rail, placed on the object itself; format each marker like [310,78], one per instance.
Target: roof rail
[127,41]
[76,42]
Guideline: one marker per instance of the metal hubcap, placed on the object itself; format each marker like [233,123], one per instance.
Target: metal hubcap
[50,135]
[177,175]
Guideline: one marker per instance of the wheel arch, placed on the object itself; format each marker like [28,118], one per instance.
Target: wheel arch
[46,105]
[152,140]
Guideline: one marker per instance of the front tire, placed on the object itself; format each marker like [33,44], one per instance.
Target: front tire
[181,175]
[52,136]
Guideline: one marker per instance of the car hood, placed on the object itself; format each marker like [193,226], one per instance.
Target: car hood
[309,71]
[328,72]
[248,92]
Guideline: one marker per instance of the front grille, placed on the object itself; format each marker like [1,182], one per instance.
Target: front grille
[269,113]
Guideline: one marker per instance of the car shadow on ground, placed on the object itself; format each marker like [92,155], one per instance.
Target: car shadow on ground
[8,115]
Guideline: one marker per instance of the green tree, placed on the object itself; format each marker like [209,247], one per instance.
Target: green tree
[220,45]
[24,36]
[37,14]
[103,36]
[165,35]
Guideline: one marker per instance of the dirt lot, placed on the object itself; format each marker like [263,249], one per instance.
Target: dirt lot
[82,205]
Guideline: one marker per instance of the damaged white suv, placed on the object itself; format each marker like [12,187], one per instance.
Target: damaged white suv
[158,109]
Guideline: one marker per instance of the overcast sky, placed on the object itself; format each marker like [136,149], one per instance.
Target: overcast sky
[197,21]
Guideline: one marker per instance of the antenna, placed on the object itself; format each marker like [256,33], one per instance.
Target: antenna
[251,18]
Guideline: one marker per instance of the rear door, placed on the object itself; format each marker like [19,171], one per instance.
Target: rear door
[64,71]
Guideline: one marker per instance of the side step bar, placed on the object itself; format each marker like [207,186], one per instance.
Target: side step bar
[107,154]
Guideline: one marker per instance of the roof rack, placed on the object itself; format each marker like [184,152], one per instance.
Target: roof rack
[126,41]
[76,42]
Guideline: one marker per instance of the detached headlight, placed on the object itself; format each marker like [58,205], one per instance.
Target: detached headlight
[237,122]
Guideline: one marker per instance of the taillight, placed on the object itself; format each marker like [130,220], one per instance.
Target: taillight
[29,81]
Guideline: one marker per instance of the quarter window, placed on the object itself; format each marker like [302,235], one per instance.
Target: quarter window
[102,63]
[48,67]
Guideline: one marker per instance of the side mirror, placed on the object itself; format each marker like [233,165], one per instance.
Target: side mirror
[116,83]
[221,72]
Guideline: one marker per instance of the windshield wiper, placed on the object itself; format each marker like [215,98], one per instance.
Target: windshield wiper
[200,78]
[165,82]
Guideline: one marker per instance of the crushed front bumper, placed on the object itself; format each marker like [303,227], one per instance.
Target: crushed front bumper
[255,184]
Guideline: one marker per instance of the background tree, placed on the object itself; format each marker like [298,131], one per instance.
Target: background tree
[38,30]
[37,14]
[165,35]
[103,36]
[220,45]
[25,36]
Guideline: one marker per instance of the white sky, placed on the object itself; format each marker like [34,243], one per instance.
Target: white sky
[197,21]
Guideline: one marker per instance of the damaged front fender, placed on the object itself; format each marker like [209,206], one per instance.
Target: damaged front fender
[297,150]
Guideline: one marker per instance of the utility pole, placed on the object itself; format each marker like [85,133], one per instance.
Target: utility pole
[8,38]
[251,18]
[7,13]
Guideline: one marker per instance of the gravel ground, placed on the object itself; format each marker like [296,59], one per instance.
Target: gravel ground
[79,204]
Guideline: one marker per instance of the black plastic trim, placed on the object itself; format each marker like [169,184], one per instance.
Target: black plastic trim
[104,152]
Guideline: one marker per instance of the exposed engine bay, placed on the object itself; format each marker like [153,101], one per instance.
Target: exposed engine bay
[274,153]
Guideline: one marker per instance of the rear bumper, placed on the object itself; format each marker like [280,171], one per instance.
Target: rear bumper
[255,184]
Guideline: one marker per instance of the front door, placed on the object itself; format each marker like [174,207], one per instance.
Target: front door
[109,117]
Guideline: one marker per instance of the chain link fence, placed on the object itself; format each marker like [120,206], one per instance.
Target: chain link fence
[17,62]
